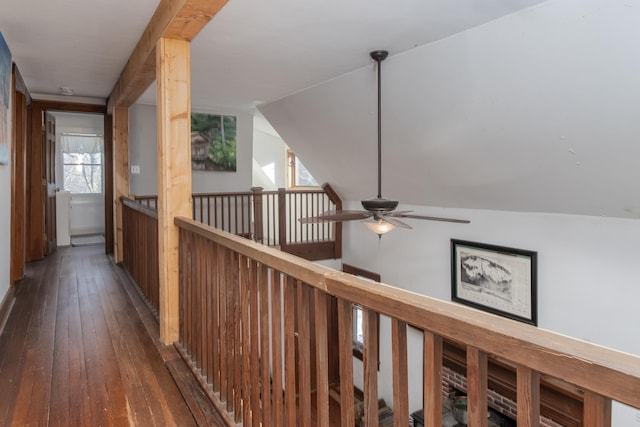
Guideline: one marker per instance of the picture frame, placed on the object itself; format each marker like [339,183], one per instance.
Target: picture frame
[496,279]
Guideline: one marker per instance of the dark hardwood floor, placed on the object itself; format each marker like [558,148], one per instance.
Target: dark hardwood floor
[81,349]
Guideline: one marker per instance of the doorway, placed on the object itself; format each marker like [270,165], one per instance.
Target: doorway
[80,218]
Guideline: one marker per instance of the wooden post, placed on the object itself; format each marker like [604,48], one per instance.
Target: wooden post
[174,171]
[121,173]
[282,218]
[258,226]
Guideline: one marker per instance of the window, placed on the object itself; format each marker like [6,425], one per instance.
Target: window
[82,162]
[298,175]
[358,325]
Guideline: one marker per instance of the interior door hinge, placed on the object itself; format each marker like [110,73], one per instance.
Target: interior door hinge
[44,238]
[44,128]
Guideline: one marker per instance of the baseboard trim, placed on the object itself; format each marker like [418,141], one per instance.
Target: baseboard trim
[6,306]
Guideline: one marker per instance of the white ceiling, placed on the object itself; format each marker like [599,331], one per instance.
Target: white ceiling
[253,51]
[496,104]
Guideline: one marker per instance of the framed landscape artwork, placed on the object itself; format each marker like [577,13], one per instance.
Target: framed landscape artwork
[496,279]
[213,142]
[5,97]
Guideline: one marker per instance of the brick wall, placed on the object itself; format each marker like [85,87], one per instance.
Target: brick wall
[453,383]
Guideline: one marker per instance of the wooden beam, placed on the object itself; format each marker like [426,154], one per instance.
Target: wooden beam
[180,20]
[174,171]
[121,174]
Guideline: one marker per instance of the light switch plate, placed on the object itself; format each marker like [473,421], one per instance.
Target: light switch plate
[135,169]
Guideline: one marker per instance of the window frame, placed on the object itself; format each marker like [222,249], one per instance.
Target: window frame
[291,174]
[64,164]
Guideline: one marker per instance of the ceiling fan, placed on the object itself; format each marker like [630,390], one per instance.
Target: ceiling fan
[379,215]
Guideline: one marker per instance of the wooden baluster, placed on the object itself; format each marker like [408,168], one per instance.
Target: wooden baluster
[255,351]
[528,384]
[477,387]
[236,229]
[245,320]
[304,355]
[370,362]
[400,373]
[597,410]
[222,312]
[432,381]
[208,319]
[237,344]
[345,328]
[276,345]
[290,352]
[322,359]
[264,345]
[216,318]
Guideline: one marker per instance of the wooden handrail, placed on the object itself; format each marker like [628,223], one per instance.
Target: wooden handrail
[603,373]
[271,218]
[153,213]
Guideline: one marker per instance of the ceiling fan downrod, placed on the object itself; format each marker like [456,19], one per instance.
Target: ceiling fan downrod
[379,56]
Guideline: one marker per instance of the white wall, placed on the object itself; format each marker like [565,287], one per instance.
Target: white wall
[587,273]
[143,152]
[5,217]
[269,151]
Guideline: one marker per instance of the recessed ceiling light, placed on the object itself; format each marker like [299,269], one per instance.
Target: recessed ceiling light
[64,90]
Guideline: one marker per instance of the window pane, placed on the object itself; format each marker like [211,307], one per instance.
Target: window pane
[303,177]
[83,178]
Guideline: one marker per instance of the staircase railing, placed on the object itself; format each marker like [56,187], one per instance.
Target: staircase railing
[254,326]
[271,218]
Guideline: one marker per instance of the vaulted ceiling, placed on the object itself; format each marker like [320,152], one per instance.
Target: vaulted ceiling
[492,104]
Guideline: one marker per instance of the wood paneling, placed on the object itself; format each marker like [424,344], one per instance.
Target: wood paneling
[174,170]
[180,20]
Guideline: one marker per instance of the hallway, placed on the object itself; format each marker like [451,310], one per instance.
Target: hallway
[77,350]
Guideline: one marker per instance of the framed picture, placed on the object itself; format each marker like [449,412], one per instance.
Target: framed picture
[496,279]
[5,96]
[213,142]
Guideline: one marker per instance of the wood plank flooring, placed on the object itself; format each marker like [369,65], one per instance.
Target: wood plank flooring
[79,350]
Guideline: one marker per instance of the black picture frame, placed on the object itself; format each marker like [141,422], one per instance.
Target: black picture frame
[496,279]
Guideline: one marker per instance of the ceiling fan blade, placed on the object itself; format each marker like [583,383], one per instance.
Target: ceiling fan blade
[432,218]
[396,222]
[335,216]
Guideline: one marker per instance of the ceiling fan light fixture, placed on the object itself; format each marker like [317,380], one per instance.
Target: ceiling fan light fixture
[378,226]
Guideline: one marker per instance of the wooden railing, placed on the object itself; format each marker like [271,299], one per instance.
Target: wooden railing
[140,250]
[254,326]
[271,217]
